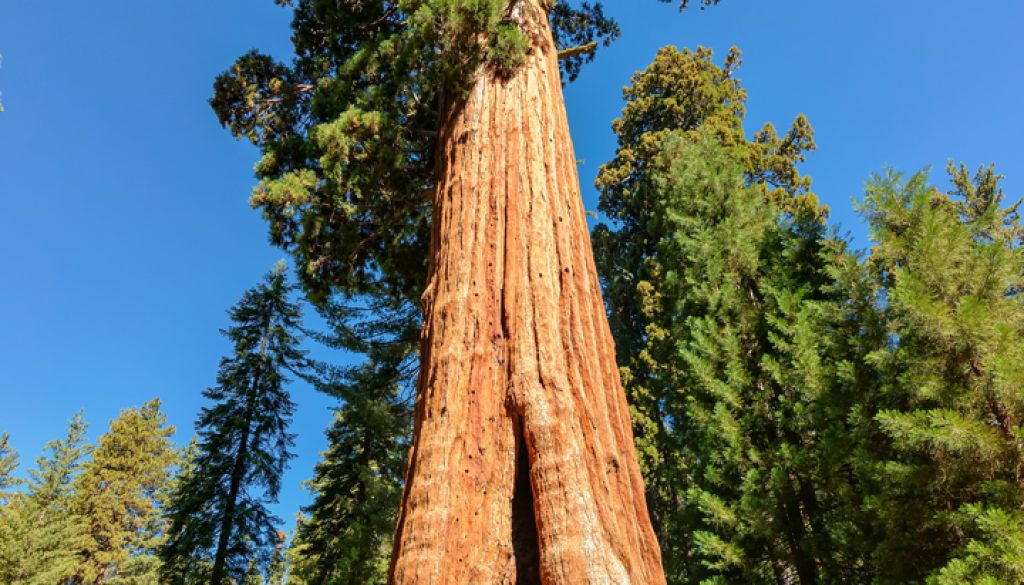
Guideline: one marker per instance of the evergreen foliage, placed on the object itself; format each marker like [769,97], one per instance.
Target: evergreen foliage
[357,486]
[9,519]
[348,129]
[277,569]
[804,415]
[750,346]
[951,267]
[8,464]
[716,279]
[119,494]
[220,523]
[40,534]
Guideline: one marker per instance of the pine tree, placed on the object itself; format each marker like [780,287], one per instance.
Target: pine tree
[11,519]
[8,463]
[186,570]
[950,494]
[59,532]
[738,341]
[118,493]
[294,557]
[42,536]
[277,570]
[357,486]
[253,576]
[727,298]
[219,516]
[400,148]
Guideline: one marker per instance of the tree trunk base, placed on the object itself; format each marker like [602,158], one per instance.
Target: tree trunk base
[522,468]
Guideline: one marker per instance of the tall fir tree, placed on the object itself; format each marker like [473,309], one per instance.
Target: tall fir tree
[8,517]
[218,513]
[43,536]
[186,570]
[766,366]
[253,575]
[950,493]
[119,495]
[8,464]
[54,546]
[293,556]
[732,328]
[357,485]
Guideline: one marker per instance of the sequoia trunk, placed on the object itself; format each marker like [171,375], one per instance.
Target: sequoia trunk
[522,467]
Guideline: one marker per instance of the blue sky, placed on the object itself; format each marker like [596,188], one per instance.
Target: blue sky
[125,218]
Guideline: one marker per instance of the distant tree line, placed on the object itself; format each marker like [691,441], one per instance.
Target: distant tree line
[89,513]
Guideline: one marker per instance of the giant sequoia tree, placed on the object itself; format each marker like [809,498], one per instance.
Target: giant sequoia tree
[418,151]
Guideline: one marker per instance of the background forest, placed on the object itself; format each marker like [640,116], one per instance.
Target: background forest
[809,406]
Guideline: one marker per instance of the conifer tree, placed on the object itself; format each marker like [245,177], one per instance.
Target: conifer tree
[186,570]
[357,485]
[724,298]
[218,513]
[385,143]
[58,532]
[8,519]
[253,576]
[277,570]
[293,557]
[950,494]
[8,464]
[119,494]
[12,519]
[42,536]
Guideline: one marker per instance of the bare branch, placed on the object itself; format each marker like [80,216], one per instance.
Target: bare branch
[573,51]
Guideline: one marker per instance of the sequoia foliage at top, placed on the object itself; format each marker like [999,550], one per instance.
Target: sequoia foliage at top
[348,129]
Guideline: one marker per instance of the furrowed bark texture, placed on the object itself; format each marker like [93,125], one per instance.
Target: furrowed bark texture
[522,468]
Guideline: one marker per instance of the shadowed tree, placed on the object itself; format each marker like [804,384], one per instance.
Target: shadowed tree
[220,524]
[357,485]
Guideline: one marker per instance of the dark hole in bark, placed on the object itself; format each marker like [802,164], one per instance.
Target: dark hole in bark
[524,523]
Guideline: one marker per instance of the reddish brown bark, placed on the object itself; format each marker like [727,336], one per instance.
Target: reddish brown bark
[522,468]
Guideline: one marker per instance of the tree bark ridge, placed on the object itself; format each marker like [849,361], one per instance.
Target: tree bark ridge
[515,334]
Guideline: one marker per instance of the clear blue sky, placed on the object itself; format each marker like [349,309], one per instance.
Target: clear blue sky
[125,223]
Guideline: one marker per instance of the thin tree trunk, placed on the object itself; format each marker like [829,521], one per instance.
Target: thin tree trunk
[796,532]
[220,558]
[519,377]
